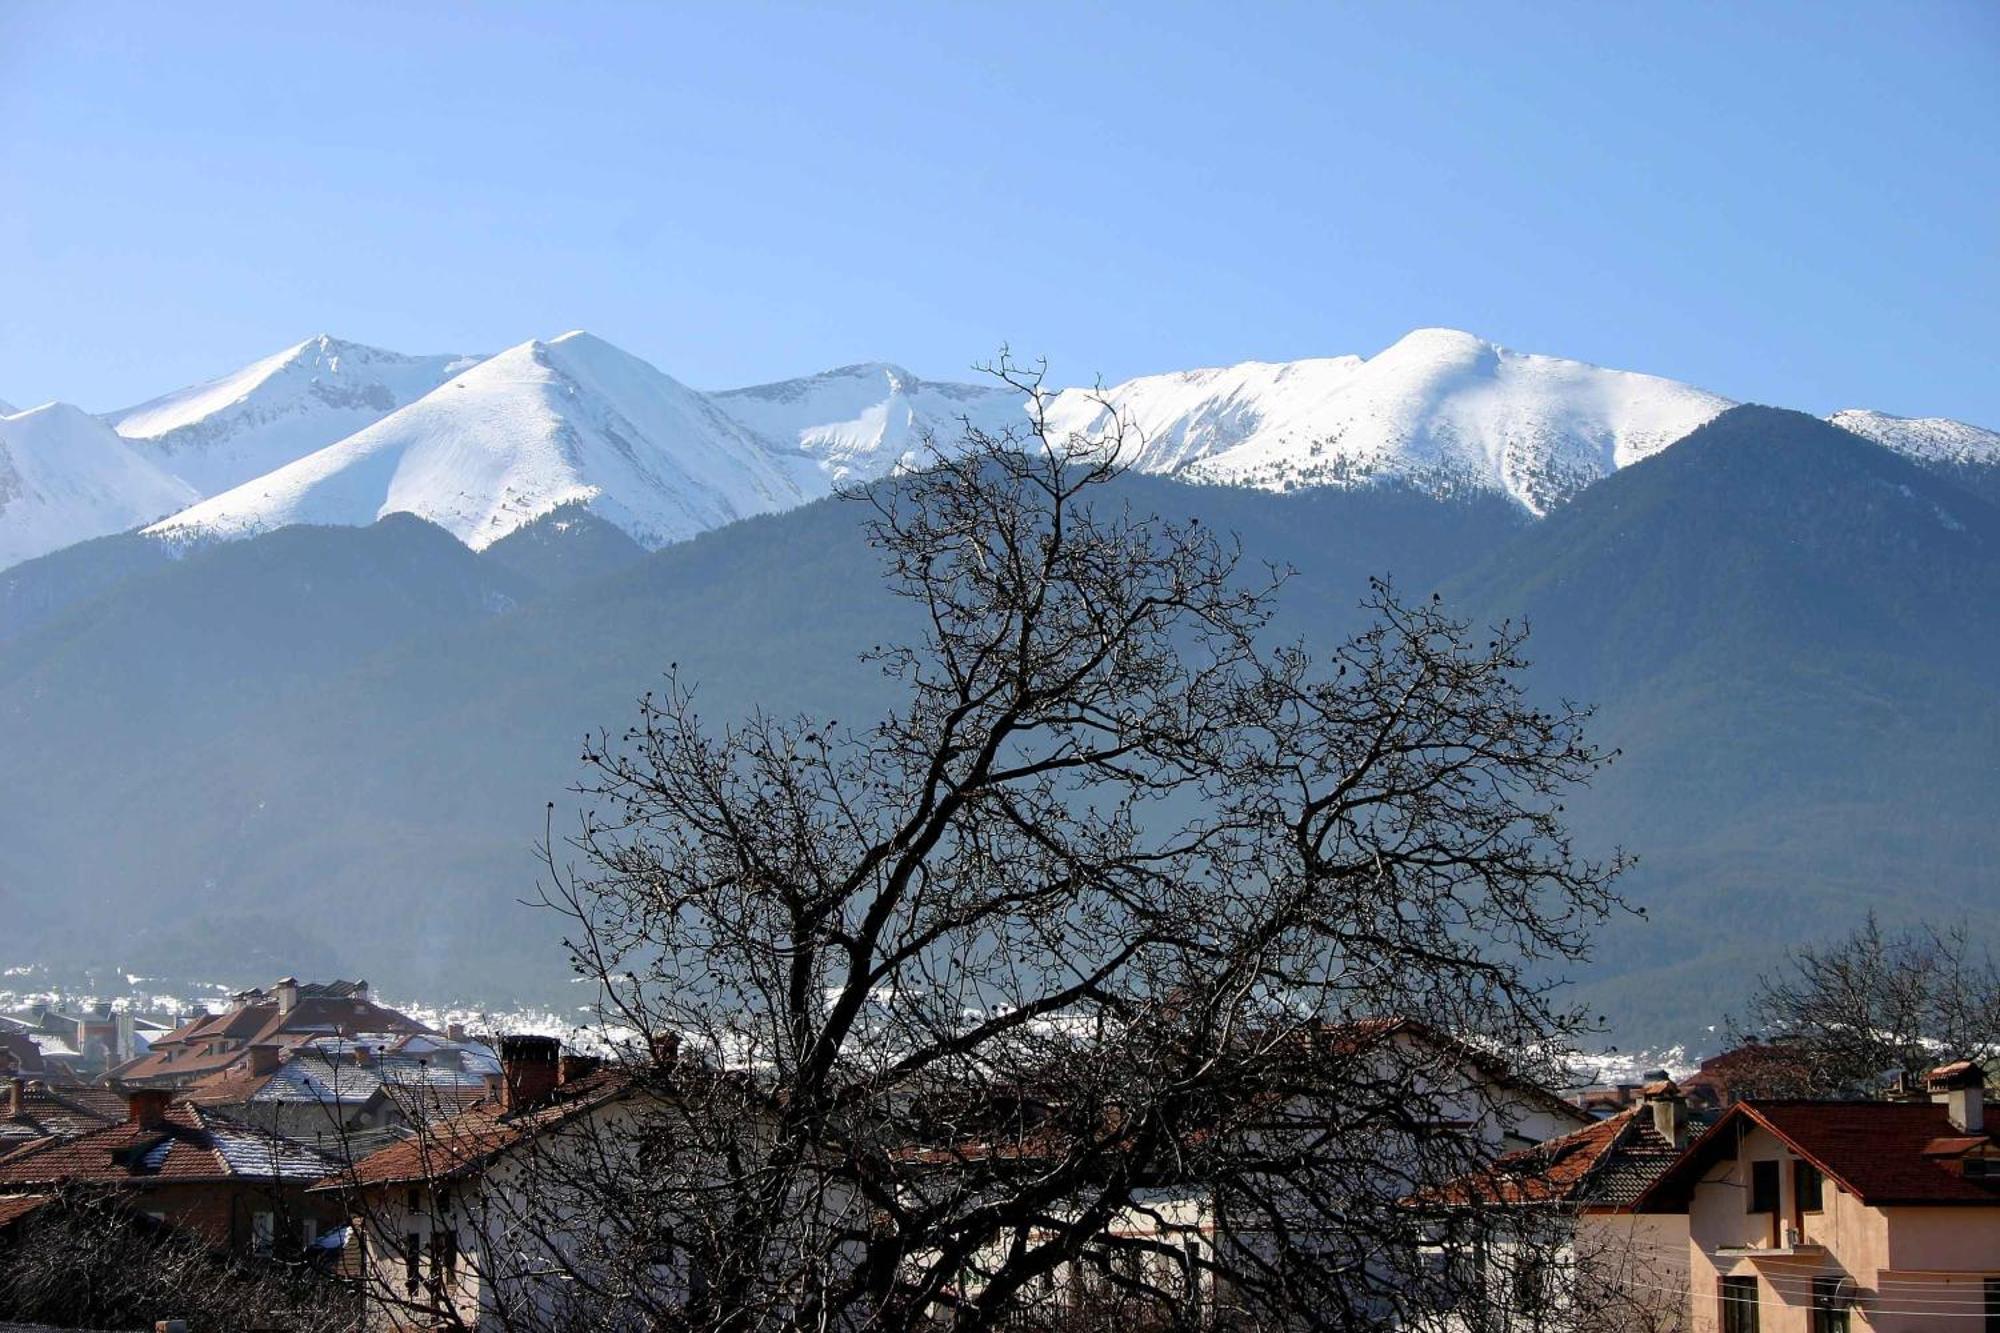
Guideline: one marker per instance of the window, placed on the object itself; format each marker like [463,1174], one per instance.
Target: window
[1993,1305]
[263,1231]
[1763,1187]
[1809,1186]
[1739,1305]
[412,1247]
[1829,1306]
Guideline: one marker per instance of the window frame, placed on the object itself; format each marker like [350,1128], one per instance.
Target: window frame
[1766,1171]
[1803,1171]
[1740,1300]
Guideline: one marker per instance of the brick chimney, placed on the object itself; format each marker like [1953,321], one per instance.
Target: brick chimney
[288,994]
[573,1067]
[1669,1109]
[528,1070]
[147,1106]
[264,1058]
[1961,1087]
[14,1096]
[454,1032]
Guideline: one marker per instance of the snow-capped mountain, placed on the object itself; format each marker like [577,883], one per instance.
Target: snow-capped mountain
[543,424]
[863,421]
[229,430]
[1932,440]
[1442,409]
[66,477]
[7,409]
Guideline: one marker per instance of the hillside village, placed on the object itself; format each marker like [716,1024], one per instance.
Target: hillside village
[306,1126]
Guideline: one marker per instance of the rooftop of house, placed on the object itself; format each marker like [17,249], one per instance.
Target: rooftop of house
[1882,1153]
[308,1076]
[288,1014]
[14,1207]
[467,1142]
[184,1144]
[1605,1165]
[47,1112]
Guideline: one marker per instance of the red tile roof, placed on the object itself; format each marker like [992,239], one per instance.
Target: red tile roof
[48,1112]
[466,1142]
[14,1207]
[188,1145]
[1607,1165]
[1876,1151]
[182,1054]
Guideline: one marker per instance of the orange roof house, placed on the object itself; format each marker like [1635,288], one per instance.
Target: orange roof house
[239,1187]
[289,1014]
[1802,1214]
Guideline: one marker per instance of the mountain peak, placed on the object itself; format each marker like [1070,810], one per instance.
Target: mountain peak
[227,430]
[66,477]
[572,420]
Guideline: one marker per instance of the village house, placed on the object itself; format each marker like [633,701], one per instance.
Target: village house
[241,1189]
[439,1221]
[1833,1217]
[1175,1229]
[1559,1241]
[289,1014]
[348,1095]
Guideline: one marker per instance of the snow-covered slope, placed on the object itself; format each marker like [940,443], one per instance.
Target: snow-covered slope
[861,422]
[543,424]
[243,425]
[1441,409]
[66,477]
[7,409]
[1932,440]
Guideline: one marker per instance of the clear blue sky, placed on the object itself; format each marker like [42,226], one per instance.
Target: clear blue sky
[1793,203]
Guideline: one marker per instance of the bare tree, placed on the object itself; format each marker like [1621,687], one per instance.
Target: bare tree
[1090,971]
[1850,1018]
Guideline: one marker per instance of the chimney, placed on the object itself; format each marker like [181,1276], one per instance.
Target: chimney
[264,1058]
[288,994]
[362,1055]
[1669,1109]
[13,1096]
[147,1107]
[666,1049]
[361,990]
[528,1068]
[454,1032]
[573,1067]
[1961,1087]
[128,1041]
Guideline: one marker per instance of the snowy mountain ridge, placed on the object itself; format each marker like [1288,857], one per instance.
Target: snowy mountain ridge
[328,431]
[540,425]
[1441,409]
[65,476]
[228,430]
[864,421]
[1938,441]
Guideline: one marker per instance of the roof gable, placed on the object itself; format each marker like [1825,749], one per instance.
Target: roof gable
[1879,1152]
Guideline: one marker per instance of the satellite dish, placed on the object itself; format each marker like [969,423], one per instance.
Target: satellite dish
[1847,1295]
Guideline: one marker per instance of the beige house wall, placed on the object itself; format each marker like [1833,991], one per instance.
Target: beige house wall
[1918,1267]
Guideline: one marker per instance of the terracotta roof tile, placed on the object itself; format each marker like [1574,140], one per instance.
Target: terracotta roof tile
[1608,1164]
[14,1207]
[467,1141]
[1877,1151]
[190,1144]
